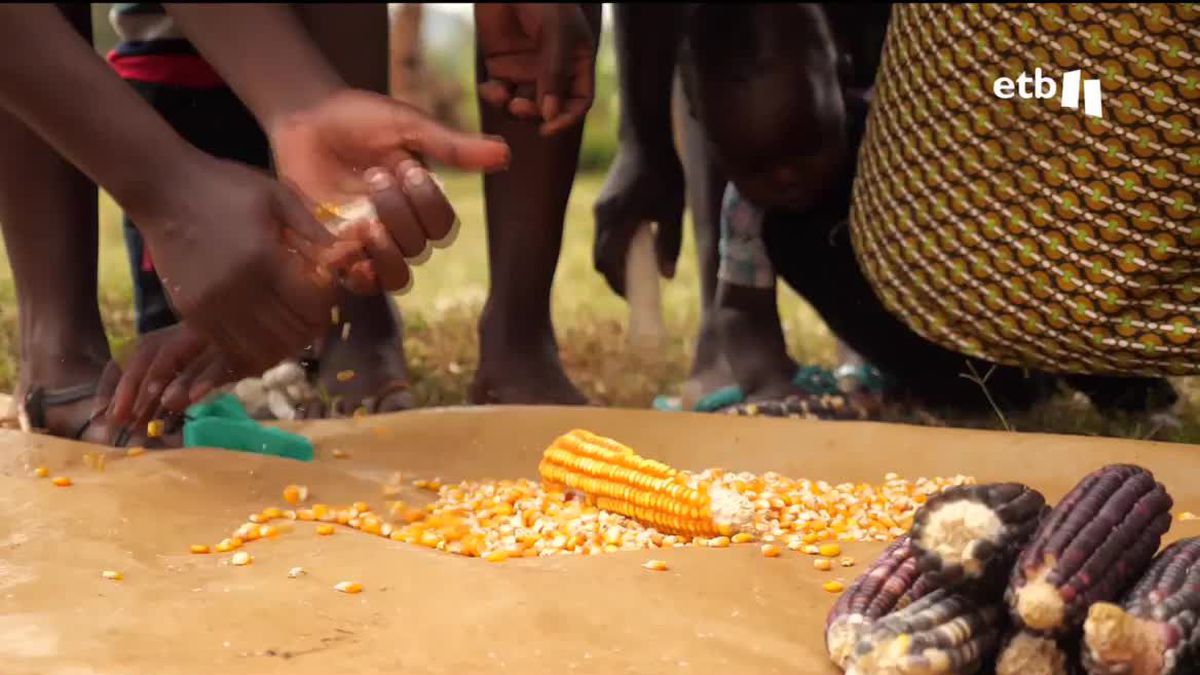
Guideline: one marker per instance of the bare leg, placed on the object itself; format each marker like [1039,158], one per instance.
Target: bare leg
[705,186]
[518,353]
[367,368]
[48,213]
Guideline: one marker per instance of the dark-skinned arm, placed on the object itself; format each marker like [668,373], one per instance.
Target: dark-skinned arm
[645,182]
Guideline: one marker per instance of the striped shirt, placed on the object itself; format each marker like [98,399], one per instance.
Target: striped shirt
[153,50]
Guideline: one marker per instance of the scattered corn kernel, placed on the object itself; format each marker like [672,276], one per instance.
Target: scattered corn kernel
[846,561]
[41,472]
[135,451]
[227,545]
[267,531]
[719,542]
[296,572]
[155,428]
[1188,515]
[345,375]
[812,549]
[199,548]
[770,551]
[272,513]
[655,565]
[325,529]
[112,574]
[833,586]
[294,494]
[61,481]
[361,507]
[823,564]
[830,550]
[742,538]
[348,587]
[495,556]
[338,453]
[241,558]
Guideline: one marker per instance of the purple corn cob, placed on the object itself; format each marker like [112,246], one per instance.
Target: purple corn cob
[969,532]
[1090,548]
[892,582]
[947,632]
[1156,628]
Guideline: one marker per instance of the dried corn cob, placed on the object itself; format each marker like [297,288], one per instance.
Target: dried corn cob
[944,633]
[1027,653]
[1156,629]
[972,531]
[892,583]
[1095,543]
[651,492]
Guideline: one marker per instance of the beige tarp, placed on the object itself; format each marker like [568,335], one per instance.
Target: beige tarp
[727,611]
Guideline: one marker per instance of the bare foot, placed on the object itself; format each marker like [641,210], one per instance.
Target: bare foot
[531,373]
[361,364]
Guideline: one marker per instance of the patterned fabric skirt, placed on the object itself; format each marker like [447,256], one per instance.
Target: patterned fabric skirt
[1027,231]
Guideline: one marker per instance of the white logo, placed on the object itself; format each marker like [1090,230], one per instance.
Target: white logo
[1045,87]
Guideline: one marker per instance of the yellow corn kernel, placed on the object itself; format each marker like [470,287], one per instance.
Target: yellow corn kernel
[350,587]
[272,513]
[267,531]
[227,545]
[718,542]
[61,481]
[112,574]
[154,428]
[199,548]
[320,511]
[770,551]
[296,572]
[812,550]
[135,451]
[1187,515]
[306,514]
[742,538]
[846,561]
[41,472]
[345,375]
[256,518]
[823,564]
[325,529]
[294,494]
[655,565]
[830,550]
[338,453]
[495,556]
[343,517]
[361,507]
[833,586]
[240,558]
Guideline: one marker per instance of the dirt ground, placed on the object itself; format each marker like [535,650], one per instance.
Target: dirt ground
[422,611]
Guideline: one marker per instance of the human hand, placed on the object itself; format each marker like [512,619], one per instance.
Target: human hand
[539,60]
[169,370]
[637,191]
[242,260]
[356,145]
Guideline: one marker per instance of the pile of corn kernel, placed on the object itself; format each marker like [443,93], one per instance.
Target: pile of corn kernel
[497,520]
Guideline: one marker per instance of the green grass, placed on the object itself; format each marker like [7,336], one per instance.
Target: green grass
[442,309]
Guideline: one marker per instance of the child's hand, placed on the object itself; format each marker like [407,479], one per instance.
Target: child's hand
[241,258]
[638,190]
[539,61]
[357,144]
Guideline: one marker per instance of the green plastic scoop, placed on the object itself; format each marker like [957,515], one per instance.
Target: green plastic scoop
[223,423]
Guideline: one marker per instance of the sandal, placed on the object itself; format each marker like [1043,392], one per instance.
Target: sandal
[38,399]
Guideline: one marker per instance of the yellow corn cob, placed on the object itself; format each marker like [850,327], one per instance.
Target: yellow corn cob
[616,479]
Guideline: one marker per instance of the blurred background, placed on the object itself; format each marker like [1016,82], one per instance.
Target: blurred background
[442,309]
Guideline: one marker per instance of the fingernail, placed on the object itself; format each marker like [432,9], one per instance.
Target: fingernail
[420,258]
[407,286]
[450,236]
[415,176]
[379,179]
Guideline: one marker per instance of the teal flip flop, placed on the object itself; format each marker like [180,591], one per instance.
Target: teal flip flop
[223,423]
[814,380]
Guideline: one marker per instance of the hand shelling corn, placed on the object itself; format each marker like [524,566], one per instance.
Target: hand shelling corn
[990,575]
